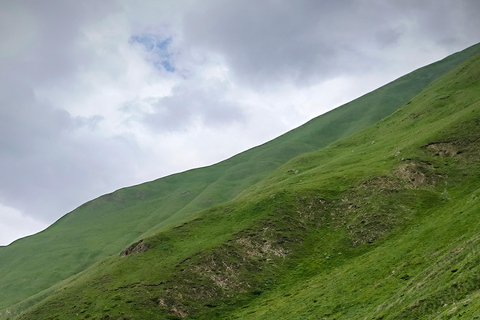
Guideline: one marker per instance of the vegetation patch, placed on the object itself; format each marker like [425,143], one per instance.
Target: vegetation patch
[234,271]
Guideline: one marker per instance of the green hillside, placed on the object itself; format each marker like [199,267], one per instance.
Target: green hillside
[380,225]
[105,226]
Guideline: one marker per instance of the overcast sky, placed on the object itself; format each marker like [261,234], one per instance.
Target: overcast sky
[99,95]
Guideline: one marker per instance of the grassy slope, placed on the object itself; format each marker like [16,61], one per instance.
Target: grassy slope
[104,226]
[426,268]
[380,225]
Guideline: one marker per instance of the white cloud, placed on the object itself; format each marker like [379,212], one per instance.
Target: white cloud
[14,225]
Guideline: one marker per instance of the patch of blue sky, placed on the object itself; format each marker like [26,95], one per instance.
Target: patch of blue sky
[158,48]
[168,66]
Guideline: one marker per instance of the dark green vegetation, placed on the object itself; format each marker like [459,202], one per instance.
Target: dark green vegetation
[382,224]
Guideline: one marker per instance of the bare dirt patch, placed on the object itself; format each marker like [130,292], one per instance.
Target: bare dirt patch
[137,247]
[383,183]
[443,149]
[417,173]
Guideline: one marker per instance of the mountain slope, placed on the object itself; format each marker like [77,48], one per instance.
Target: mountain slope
[380,225]
[104,226]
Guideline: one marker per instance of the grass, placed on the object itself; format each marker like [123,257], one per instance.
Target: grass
[105,226]
[380,225]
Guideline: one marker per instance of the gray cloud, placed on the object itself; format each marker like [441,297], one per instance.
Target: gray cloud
[50,161]
[42,35]
[310,40]
[270,40]
[48,166]
[389,36]
[191,103]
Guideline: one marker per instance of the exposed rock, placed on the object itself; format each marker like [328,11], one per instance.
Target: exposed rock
[137,247]
[443,149]
[417,173]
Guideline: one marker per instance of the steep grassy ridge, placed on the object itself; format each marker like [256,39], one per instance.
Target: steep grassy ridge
[104,226]
[380,225]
